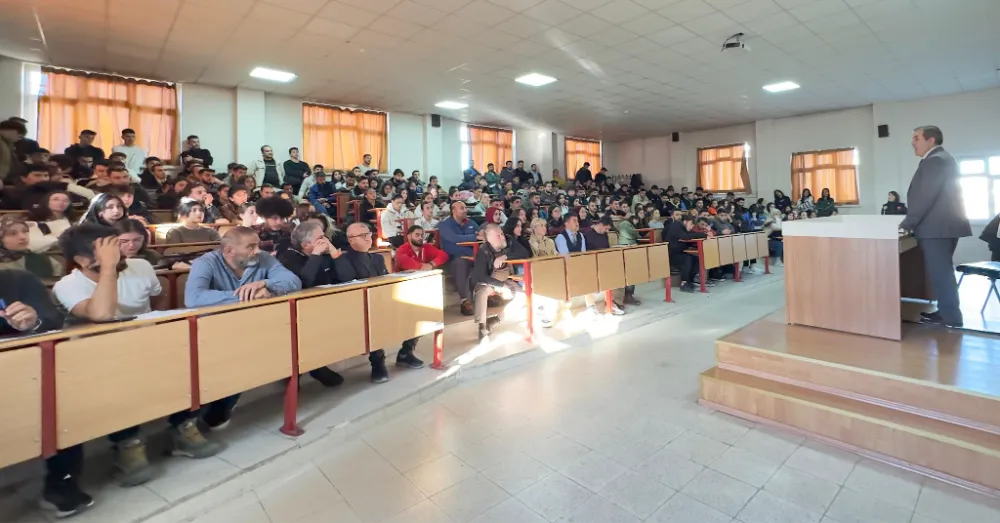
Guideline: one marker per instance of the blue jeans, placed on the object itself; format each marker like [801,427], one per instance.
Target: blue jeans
[777,248]
[224,405]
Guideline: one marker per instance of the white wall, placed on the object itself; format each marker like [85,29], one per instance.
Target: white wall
[10,88]
[451,153]
[534,146]
[251,125]
[406,143]
[210,113]
[282,124]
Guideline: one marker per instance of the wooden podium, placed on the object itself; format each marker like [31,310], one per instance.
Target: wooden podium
[848,273]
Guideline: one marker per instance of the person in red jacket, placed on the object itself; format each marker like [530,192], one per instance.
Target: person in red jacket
[415,255]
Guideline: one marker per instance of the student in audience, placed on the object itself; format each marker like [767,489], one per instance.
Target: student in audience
[169,194]
[391,221]
[583,175]
[237,271]
[251,185]
[490,277]
[517,239]
[275,233]
[193,150]
[540,243]
[85,147]
[48,218]
[366,164]
[427,220]
[134,155]
[295,170]
[266,169]
[893,205]
[322,194]
[105,209]
[596,239]
[655,220]
[776,248]
[825,206]
[782,202]
[806,203]
[627,235]
[570,240]
[416,255]
[153,177]
[133,240]
[455,229]
[248,215]
[385,193]
[134,209]
[191,214]
[358,263]
[231,206]
[680,231]
[198,192]
[16,254]
[556,221]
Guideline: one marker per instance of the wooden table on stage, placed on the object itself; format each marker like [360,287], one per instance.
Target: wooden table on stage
[849,273]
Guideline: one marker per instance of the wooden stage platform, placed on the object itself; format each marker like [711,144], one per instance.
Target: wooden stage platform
[929,403]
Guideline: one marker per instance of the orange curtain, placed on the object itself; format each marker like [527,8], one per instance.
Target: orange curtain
[834,169]
[339,138]
[723,169]
[580,151]
[488,145]
[70,102]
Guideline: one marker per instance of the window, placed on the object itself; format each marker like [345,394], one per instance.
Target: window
[580,151]
[723,168]
[834,169]
[338,138]
[486,145]
[980,186]
[71,101]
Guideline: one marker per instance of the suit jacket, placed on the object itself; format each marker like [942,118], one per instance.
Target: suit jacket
[936,208]
[353,265]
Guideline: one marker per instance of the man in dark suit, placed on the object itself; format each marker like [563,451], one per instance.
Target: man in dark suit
[356,263]
[937,219]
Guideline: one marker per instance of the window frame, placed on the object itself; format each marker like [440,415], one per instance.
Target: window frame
[816,193]
[747,190]
[570,174]
[992,184]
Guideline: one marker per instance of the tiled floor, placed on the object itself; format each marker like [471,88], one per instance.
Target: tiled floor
[605,432]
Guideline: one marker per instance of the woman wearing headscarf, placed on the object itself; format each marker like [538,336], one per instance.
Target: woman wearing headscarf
[893,205]
[15,254]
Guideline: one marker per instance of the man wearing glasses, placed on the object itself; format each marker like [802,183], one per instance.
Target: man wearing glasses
[356,263]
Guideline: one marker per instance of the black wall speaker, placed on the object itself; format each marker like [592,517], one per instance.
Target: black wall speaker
[435,120]
[675,137]
[883,131]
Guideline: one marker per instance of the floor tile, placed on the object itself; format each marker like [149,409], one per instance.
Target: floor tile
[374,502]
[340,512]
[510,511]
[469,498]
[746,467]
[290,499]
[555,496]
[669,468]
[437,475]
[484,453]
[719,491]
[593,471]
[721,427]
[190,477]
[424,512]
[683,509]
[855,507]
[126,504]
[893,485]
[600,510]
[557,452]
[769,444]
[805,490]
[406,454]
[830,466]
[245,509]
[517,472]
[697,447]
[637,493]
[768,508]
[947,503]
[627,449]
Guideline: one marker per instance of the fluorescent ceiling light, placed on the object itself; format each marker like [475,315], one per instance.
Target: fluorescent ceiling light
[535,79]
[781,86]
[448,104]
[272,74]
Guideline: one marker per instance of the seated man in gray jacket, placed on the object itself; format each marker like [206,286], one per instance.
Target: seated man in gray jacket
[237,271]
[490,275]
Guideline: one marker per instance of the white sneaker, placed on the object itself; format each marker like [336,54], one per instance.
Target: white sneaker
[616,310]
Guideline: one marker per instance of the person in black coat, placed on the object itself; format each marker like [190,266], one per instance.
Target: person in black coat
[491,275]
[680,230]
[782,202]
[893,205]
[357,263]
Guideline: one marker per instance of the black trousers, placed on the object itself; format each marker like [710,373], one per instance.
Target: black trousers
[66,462]
[940,267]
[460,270]
[687,263]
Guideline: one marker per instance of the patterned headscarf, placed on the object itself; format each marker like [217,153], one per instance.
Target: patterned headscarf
[8,222]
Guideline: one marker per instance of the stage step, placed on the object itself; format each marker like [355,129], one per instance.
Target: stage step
[946,451]
[854,373]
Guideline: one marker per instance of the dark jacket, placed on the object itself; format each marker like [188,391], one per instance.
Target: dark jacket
[24,287]
[595,241]
[482,268]
[893,208]
[583,175]
[312,269]
[452,233]
[76,151]
[295,172]
[937,209]
[783,203]
[676,234]
[354,265]
[202,154]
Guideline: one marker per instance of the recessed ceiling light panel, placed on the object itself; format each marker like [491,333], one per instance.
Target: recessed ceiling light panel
[448,104]
[535,79]
[781,87]
[272,74]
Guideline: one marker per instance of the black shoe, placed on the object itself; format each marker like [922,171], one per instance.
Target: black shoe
[934,314]
[491,323]
[467,308]
[65,498]
[938,320]
[494,301]
[687,287]
[327,377]
[408,360]
[380,374]
[217,418]
[631,300]
[484,332]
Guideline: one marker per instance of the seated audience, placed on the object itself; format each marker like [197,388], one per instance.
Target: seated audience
[597,240]
[105,209]
[680,231]
[232,206]
[237,271]
[248,215]
[136,210]
[391,221]
[415,255]
[170,193]
[893,205]
[806,203]
[357,263]
[199,192]
[825,206]
[368,206]
[275,232]
[311,258]
[48,218]
[455,229]
[427,220]
[571,240]
[15,252]
[516,234]
[322,194]
[490,276]
[133,240]
[191,214]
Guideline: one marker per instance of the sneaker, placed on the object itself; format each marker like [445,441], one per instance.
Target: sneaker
[65,498]
[616,310]
[710,283]
[217,419]
[494,301]
[189,442]
[327,377]
[380,374]
[543,318]
[491,323]
[630,299]
[132,464]
[467,308]
[687,287]
[483,332]
[409,360]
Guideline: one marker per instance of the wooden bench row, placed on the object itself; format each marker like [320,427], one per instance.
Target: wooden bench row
[67,387]
[731,249]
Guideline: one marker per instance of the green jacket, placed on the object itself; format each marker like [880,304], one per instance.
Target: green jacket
[627,235]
